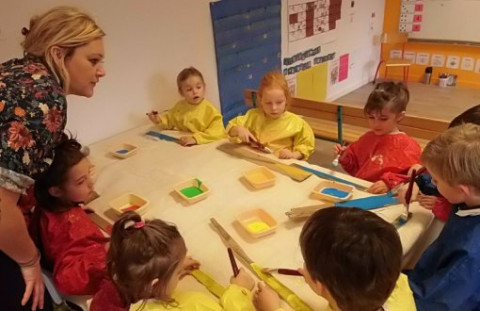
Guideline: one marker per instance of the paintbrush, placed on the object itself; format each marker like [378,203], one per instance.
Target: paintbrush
[259,146]
[337,158]
[233,262]
[284,271]
[408,197]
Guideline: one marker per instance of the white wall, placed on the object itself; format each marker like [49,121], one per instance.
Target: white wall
[148,42]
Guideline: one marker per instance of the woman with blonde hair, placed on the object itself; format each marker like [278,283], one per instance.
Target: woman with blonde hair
[63,55]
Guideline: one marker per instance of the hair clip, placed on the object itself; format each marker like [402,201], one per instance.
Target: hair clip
[139,224]
[25,31]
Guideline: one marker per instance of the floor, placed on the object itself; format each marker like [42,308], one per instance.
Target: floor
[442,103]
[323,155]
[425,101]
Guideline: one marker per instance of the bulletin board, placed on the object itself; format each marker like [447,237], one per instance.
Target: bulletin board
[453,21]
[247,45]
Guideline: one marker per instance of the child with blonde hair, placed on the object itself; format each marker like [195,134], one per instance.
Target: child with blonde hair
[384,154]
[271,125]
[353,260]
[447,275]
[193,113]
[146,260]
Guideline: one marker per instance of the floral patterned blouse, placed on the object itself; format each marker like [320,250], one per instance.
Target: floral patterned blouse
[33,111]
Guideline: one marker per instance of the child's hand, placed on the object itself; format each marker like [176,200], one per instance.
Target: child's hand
[189,265]
[154,116]
[187,141]
[339,149]
[415,167]
[378,187]
[403,191]
[427,201]
[288,154]
[243,279]
[243,133]
[265,298]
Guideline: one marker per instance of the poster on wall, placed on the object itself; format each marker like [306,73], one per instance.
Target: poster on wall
[310,18]
[334,68]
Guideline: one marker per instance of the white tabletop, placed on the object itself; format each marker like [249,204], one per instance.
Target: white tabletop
[158,166]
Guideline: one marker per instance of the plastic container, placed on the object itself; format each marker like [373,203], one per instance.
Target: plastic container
[124,151]
[257,222]
[129,202]
[427,79]
[332,191]
[260,178]
[443,82]
[192,190]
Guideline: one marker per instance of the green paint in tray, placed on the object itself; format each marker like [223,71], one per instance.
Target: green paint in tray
[191,192]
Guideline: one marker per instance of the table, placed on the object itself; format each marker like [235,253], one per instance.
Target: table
[158,166]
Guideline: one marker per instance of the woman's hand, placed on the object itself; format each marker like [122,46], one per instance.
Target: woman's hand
[34,286]
[187,141]
[378,187]
[265,298]
[243,279]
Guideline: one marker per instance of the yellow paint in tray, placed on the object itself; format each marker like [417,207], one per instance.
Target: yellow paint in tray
[257,226]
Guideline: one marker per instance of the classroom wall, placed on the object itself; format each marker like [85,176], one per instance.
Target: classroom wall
[465,78]
[148,42]
[351,39]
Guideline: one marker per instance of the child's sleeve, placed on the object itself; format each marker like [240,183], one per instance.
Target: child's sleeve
[166,120]
[405,157]
[451,287]
[214,130]
[348,160]
[304,141]
[237,298]
[77,248]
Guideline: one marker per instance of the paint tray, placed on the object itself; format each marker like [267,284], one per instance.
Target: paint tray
[257,222]
[129,202]
[328,190]
[260,177]
[124,151]
[192,190]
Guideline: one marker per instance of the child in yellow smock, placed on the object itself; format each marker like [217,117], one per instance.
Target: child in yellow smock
[193,113]
[352,259]
[146,260]
[285,133]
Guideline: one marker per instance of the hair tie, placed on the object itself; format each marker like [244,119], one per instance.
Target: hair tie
[139,224]
[25,31]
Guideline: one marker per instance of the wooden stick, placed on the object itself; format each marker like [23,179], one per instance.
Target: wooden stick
[233,262]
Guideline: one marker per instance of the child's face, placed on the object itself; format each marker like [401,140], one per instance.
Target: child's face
[273,102]
[176,275]
[193,90]
[385,121]
[453,194]
[78,186]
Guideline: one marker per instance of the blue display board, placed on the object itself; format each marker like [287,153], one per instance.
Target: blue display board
[247,45]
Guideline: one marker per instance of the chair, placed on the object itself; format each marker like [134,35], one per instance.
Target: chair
[393,38]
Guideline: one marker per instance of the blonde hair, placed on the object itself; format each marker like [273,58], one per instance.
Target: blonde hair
[274,79]
[454,154]
[65,27]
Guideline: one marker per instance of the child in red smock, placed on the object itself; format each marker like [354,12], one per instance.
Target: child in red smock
[384,154]
[71,244]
